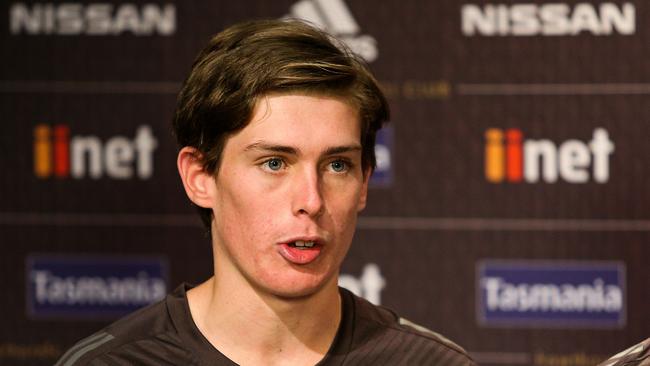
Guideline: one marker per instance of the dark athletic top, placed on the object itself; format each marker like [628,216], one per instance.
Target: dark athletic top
[637,355]
[165,334]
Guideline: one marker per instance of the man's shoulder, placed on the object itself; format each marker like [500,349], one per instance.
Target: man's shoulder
[639,354]
[403,341]
[139,338]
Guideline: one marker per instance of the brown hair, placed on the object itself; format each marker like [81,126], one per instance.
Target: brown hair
[250,60]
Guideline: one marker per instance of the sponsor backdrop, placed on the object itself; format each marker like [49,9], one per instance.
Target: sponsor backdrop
[509,211]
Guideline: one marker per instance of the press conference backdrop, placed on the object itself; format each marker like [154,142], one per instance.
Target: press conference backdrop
[509,210]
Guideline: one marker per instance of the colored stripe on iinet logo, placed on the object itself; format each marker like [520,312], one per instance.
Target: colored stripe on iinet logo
[58,154]
[514,159]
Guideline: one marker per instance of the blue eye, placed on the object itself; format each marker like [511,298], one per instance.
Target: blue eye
[274,164]
[338,166]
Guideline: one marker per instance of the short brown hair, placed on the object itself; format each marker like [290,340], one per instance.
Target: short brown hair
[250,60]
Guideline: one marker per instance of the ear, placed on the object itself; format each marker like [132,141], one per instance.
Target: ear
[363,195]
[199,185]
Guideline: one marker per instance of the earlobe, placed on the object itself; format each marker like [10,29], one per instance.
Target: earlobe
[199,185]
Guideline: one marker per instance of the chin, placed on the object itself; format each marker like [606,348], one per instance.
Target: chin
[300,287]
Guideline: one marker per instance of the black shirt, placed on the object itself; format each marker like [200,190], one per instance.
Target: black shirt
[165,334]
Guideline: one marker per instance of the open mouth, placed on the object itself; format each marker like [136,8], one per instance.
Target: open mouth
[301,251]
[302,244]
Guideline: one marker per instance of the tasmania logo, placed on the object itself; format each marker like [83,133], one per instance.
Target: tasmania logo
[511,158]
[58,154]
[540,294]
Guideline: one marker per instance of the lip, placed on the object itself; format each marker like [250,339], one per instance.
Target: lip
[316,239]
[301,256]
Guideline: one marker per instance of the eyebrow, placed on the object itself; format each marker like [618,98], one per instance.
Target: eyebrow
[263,146]
[271,147]
[342,149]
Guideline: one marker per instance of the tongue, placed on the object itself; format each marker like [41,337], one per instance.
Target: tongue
[299,256]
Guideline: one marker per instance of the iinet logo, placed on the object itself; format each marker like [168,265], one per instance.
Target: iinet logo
[508,157]
[58,154]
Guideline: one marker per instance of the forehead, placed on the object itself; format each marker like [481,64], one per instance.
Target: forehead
[302,119]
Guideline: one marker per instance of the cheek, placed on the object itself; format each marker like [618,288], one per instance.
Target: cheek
[343,212]
[237,199]
[343,198]
[349,211]
[244,220]
[234,216]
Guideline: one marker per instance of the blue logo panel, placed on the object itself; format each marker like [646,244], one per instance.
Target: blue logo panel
[551,294]
[383,174]
[92,287]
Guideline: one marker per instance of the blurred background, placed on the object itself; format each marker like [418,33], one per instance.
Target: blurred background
[509,210]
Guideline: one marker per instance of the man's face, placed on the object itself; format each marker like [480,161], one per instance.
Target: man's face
[288,191]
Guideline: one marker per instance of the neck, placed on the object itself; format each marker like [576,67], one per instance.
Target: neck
[253,327]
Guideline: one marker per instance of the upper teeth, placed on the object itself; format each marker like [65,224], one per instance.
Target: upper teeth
[302,243]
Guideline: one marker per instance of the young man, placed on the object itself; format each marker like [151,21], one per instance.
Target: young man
[276,124]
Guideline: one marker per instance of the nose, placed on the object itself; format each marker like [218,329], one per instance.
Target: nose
[307,197]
